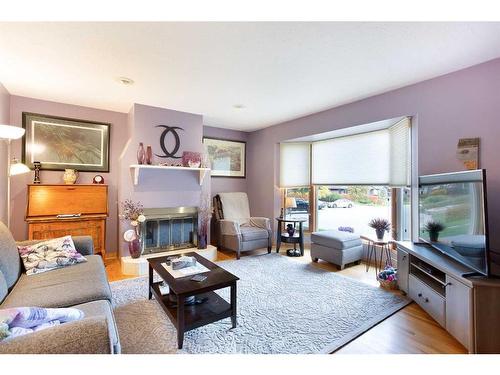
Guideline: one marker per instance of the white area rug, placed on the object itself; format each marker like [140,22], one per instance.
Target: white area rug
[284,307]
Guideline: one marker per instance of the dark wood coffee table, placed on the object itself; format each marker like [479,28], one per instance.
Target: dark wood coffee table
[214,307]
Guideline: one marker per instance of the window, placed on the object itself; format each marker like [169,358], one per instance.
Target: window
[353,206]
[351,178]
[298,207]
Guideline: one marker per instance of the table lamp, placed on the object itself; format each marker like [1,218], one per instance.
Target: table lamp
[290,202]
[14,167]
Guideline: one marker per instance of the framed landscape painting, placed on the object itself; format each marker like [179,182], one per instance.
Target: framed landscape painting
[227,158]
[59,143]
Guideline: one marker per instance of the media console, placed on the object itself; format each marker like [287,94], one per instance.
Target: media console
[468,307]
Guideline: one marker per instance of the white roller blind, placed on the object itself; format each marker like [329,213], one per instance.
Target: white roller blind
[356,159]
[294,164]
[380,157]
[400,157]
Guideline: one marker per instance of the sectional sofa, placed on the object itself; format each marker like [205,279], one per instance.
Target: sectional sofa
[83,286]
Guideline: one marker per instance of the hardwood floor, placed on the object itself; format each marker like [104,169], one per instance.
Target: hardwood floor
[409,331]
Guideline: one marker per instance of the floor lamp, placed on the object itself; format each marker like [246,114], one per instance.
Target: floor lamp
[14,167]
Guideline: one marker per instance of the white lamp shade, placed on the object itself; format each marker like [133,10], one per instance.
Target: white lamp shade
[18,168]
[290,202]
[11,132]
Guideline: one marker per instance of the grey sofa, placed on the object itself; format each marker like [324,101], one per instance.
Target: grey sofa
[235,229]
[336,247]
[83,286]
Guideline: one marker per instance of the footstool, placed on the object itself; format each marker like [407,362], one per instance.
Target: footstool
[336,247]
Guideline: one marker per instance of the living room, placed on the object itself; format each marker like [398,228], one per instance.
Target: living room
[249,187]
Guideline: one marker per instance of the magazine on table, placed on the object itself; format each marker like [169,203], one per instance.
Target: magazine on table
[187,271]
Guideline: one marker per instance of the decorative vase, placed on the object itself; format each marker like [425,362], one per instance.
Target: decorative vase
[202,240]
[141,154]
[134,248]
[433,236]
[380,234]
[290,230]
[70,176]
[149,155]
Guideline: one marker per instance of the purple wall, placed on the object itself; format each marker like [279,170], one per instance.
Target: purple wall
[461,104]
[159,188]
[118,121]
[225,184]
[4,120]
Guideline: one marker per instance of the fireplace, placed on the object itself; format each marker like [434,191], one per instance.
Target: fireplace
[169,229]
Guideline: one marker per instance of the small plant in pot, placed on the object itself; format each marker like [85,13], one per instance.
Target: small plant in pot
[433,228]
[381,226]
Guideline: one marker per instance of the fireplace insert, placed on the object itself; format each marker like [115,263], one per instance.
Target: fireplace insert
[168,229]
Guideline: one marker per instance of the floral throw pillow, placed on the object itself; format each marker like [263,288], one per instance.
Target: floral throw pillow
[48,255]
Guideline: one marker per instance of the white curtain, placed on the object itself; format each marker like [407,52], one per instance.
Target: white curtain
[294,164]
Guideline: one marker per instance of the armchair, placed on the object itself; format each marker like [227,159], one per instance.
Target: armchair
[235,229]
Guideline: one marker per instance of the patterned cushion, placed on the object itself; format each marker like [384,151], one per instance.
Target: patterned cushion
[48,255]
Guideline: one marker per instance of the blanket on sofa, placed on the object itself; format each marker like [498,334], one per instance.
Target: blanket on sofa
[19,321]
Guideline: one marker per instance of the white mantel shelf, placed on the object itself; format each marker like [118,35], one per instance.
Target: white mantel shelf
[136,168]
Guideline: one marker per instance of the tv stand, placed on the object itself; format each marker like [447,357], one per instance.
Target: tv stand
[465,304]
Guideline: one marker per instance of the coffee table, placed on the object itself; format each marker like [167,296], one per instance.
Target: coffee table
[188,317]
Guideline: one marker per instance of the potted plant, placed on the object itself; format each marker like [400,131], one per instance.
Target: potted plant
[380,225]
[433,227]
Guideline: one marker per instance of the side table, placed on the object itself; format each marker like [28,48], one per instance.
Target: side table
[372,244]
[297,238]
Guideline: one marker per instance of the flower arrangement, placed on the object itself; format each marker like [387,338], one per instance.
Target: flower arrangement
[204,216]
[134,213]
[380,225]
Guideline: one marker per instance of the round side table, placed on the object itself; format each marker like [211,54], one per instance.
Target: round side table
[297,238]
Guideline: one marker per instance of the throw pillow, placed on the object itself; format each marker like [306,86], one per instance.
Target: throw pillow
[48,255]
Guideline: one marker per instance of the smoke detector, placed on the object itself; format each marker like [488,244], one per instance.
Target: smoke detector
[125,81]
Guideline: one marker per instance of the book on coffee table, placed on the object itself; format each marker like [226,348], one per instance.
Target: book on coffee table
[187,271]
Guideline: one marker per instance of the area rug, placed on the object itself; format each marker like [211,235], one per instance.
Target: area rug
[284,307]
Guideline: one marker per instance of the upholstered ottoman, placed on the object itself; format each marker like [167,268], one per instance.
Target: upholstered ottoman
[336,247]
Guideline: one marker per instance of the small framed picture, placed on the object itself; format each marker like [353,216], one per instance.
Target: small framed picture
[227,157]
[59,143]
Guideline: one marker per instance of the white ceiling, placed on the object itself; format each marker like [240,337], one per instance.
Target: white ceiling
[278,71]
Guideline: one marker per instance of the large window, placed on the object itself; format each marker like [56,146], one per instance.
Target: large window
[353,206]
[347,179]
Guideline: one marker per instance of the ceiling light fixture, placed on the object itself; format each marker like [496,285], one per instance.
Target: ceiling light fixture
[238,106]
[125,81]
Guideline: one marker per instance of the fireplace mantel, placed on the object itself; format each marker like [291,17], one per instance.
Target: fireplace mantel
[136,168]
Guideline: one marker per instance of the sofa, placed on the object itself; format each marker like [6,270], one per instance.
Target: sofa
[83,286]
[235,229]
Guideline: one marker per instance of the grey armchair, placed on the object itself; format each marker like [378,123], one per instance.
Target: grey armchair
[235,229]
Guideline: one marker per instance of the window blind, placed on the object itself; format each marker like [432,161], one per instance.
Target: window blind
[400,154]
[294,164]
[379,157]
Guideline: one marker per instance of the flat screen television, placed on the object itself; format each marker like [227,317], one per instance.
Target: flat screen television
[453,216]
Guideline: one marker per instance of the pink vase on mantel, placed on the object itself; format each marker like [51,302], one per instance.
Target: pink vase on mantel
[149,155]
[141,154]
